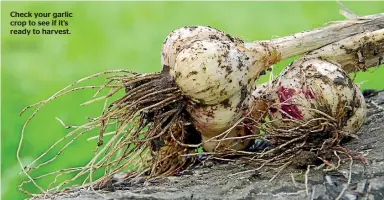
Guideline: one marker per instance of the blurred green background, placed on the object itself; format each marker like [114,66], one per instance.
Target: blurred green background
[121,35]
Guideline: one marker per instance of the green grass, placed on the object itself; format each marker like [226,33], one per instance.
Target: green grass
[121,35]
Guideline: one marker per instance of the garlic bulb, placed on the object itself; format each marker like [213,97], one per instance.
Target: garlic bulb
[220,121]
[181,38]
[216,72]
[210,66]
[311,89]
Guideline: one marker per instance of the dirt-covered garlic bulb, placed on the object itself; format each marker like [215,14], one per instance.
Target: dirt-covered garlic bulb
[181,38]
[210,66]
[217,123]
[216,72]
[314,89]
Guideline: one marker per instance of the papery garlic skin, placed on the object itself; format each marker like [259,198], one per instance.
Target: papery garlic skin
[309,85]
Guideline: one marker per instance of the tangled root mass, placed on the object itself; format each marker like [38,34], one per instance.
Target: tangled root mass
[153,136]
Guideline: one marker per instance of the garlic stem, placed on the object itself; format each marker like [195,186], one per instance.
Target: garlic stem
[306,41]
[355,53]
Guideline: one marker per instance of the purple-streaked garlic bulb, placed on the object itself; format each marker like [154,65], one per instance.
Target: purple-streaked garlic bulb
[311,89]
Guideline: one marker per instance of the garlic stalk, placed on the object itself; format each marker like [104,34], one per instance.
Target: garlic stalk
[356,53]
[306,41]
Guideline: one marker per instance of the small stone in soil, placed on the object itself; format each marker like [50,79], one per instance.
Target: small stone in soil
[259,145]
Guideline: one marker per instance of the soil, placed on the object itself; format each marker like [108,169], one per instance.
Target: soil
[219,180]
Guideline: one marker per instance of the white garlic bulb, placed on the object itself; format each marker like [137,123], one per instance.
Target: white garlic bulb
[217,73]
[210,66]
[221,120]
[180,38]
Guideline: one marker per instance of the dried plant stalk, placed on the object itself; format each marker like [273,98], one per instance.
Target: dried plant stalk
[332,32]
[357,53]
